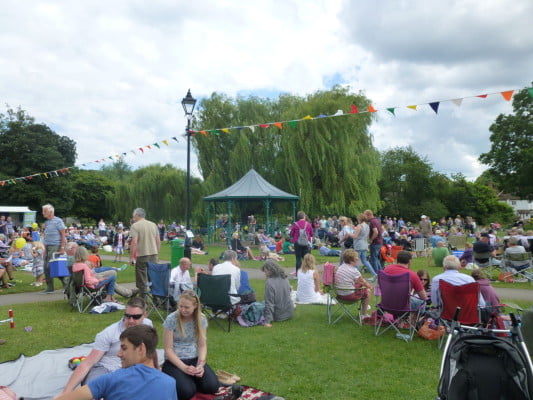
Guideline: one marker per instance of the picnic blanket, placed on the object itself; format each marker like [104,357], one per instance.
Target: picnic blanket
[43,376]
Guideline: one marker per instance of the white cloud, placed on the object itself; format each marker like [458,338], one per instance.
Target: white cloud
[111,76]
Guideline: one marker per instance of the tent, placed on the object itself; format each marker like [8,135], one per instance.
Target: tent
[252,187]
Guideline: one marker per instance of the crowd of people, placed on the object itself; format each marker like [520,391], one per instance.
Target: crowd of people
[125,351]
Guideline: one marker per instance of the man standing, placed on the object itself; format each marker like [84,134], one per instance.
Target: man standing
[139,377]
[375,238]
[55,241]
[425,226]
[104,357]
[145,243]
[230,267]
[451,274]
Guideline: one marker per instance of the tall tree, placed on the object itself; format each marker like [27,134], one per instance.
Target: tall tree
[119,171]
[330,163]
[90,189]
[27,148]
[511,155]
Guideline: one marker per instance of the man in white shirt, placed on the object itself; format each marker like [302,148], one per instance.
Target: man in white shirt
[230,266]
[451,274]
[103,357]
[180,278]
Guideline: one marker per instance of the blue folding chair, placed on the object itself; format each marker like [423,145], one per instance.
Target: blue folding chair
[158,296]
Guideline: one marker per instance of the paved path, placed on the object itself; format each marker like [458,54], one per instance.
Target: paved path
[253,273]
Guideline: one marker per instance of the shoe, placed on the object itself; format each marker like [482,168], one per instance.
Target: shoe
[33,284]
[46,292]
[365,316]
[123,267]
[38,284]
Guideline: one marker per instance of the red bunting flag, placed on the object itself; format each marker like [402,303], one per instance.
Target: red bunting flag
[264,125]
[483,96]
[141,150]
[353,109]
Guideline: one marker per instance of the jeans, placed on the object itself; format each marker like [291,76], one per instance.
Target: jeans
[366,264]
[300,252]
[109,283]
[374,256]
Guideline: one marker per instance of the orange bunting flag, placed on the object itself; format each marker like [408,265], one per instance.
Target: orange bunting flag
[165,142]
[371,108]
[483,96]
[412,107]
[203,133]
[225,130]
[508,94]
[278,124]
[307,117]
[353,109]
[149,147]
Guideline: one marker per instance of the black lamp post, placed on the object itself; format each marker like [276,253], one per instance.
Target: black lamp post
[188,104]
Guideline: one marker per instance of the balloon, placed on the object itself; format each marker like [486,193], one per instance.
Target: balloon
[34,225]
[20,243]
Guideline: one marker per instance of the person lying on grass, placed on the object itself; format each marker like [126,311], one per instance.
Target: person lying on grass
[104,358]
[138,378]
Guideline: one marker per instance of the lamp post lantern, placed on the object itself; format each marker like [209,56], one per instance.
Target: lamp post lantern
[188,103]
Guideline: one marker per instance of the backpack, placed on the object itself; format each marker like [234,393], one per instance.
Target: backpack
[327,274]
[302,236]
[348,242]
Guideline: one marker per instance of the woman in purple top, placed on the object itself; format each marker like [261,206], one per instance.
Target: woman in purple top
[492,300]
[300,250]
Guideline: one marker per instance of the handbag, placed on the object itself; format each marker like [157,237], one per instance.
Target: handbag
[428,333]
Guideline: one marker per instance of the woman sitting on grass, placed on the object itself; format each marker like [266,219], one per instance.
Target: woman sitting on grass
[185,344]
[278,303]
[91,280]
[350,284]
[308,291]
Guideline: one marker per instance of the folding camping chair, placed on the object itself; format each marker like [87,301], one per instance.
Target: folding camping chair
[466,297]
[511,261]
[337,308]
[214,296]
[83,292]
[395,300]
[158,296]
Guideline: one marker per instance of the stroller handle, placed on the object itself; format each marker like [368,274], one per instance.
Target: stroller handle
[456,314]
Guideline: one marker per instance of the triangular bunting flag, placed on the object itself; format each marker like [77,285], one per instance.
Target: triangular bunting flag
[45,175]
[435,106]
[252,128]
[412,107]
[165,142]
[111,158]
[264,125]
[3,183]
[391,110]
[353,109]
[141,150]
[321,116]
[214,131]
[225,130]
[292,124]
[307,117]
[530,91]
[339,112]
[483,96]
[174,138]
[157,145]
[371,108]
[508,94]
[278,124]
[203,133]
[149,147]
[457,102]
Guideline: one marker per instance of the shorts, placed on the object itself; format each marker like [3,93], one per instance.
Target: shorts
[119,250]
[358,294]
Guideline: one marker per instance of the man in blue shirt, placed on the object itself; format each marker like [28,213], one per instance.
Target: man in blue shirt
[55,241]
[138,379]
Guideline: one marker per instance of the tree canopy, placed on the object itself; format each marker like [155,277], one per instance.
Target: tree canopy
[510,158]
[330,163]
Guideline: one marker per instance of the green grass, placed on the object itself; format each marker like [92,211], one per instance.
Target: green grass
[300,359]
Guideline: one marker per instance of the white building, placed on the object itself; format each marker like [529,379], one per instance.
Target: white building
[523,209]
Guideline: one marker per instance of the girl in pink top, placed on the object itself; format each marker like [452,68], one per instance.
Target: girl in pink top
[90,279]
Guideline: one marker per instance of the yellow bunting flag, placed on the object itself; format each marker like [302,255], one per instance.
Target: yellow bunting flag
[225,130]
[165,142]
[412,107]
[307,117]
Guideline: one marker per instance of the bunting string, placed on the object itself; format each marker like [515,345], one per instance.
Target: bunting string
[353,110]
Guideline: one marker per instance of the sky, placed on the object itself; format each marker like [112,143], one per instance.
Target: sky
[111,75]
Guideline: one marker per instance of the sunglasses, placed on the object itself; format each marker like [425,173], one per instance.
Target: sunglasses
[424,279]
[134,316]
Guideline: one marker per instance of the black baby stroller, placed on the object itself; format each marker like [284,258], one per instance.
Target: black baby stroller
[483,364]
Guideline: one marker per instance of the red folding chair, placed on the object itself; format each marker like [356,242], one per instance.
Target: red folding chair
[464,296]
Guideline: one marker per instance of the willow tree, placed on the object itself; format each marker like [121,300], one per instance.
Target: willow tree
[329,162]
